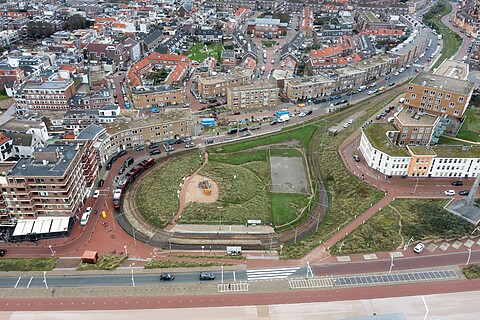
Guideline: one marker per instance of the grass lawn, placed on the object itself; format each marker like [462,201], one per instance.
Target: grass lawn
[286,207]
[285,152]
[157,198]
[33,264]
[198,53]
[104,263]
[269,43]
[445,140]
[470,129]
[421,219]
[243,196]
[451,40]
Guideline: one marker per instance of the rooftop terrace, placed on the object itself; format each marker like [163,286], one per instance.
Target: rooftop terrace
[377,135]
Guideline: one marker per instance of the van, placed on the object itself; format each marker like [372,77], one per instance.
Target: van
[129,161]
[85,216]
[361,88]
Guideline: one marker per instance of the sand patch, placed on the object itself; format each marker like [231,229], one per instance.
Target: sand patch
[195,193]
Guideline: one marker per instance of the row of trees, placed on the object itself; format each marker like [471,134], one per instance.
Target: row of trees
[40,29]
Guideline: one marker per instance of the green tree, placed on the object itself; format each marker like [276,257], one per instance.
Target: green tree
[75,22]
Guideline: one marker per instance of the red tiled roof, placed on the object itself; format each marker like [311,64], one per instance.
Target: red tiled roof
[3,138]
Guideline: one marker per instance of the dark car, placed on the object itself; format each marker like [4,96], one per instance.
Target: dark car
[356,158]
[140,148]
[464,192]
[308,112]
[242,129]
[344,101]
[122,153]
[154,152]
[337,103]
[212,100]
[209,141]
[101,182]
[232,131]
[349,93]
[330,99]
[153,146]
[338,97]
[170,142]
[378,117]
[217,104]
[178,141]
[273,122]
[4,251]
[109,166]
[207,276]
[316,101]
[323,100]
[202,108]
[457,183]
[387,78]
[391,84]
[167,277]
[121,170]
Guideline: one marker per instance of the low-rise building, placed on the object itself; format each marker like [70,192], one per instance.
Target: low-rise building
[380,153]
[267,27]
[255,96]
[216,85]
[6,146]
[157,128]
[157,96]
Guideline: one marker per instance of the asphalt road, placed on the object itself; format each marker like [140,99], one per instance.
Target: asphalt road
[140,279]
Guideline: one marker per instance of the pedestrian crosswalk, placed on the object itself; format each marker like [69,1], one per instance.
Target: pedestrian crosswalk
[310,283]
[233,287]
[267,274]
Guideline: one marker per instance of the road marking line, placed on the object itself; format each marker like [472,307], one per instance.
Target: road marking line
[28,285]
[16,284]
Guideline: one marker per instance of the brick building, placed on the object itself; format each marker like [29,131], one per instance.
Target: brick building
[256,96]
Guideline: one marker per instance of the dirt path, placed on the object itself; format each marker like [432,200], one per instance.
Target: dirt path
[183,195]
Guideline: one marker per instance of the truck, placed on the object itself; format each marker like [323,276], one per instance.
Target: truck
[283,118]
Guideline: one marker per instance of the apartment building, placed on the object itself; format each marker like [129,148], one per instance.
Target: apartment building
[255,96]
[216,86]
[50,184]
[380,153]
[157,96]
[6,146]
[414,128]
[267,27]
[133,132]
[76,120]
[92,99]
[49,95]
[438,95]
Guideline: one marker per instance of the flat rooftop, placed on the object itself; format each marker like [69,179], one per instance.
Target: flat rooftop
[414,118]
[31,168]
[260,85]
[450,151]
[222,77]
[155,118]
[430,80]
[48,85]
[415,39]
[453,69]
[377,135]
[150,89]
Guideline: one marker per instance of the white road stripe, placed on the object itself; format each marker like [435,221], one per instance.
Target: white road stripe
[265,274]
[267,277]
[28,285]
[268,270]
[16,284]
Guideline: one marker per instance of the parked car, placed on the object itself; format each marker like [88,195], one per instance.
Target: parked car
[330,99]
[154,152]
[309,112]
[190,145]
[101,182]
[449,192]
[122,153]
[3,252]
[121,170]
[168,147]
[419,248]
[457,183]
[232,131]
[187,139]
[302,114]
[344,101]
[109,166]
[273,122]
[209,141]
[464,192]
[207,276]
[167,277]
[140,148]
[153,146]
[356,158]
[96,194]
[212,100]
[242,129]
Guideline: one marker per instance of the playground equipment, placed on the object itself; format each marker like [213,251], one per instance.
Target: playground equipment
[206,186]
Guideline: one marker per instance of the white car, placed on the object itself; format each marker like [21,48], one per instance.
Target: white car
[370,92]
[96,194]
[350,121]
[89,210]
[396,73]
[449,192]
[419,248]
[345,125]
[302,114]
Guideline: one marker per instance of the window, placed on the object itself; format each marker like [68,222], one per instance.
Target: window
[432,93]
[444,109]
[440,95]
[460,99]
[447,97]
[452,104]
[413,96]
[410,88]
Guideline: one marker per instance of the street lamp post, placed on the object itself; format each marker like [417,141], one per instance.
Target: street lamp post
[281,247]
[405,247]
[391,265]
[222,274]
[469,256]
[126,252]
[45,279]
[51,249]
[203,252]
